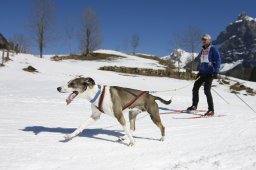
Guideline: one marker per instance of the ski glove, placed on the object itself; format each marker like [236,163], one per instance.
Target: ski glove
[215,76]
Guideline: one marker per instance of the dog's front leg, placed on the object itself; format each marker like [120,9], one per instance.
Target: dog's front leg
[87,123]
[132,117]
[94,117]
[121,120]
[129,135]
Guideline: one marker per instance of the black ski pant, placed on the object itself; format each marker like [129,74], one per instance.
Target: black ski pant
[207,81]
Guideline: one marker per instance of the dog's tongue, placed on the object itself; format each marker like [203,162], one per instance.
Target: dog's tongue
[71,97]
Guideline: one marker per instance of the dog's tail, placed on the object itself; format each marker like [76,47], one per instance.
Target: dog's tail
[163,101]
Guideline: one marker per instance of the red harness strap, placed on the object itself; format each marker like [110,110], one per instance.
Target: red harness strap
[134,100]
[125,107]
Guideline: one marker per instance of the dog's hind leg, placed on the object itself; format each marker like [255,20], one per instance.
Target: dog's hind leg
[132,118]
[153,111]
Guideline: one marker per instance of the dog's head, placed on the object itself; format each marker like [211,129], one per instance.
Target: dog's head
[76,87]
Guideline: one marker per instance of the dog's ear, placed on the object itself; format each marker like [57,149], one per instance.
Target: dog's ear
[89,82]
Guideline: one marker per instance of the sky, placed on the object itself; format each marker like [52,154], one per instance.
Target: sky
[155,21]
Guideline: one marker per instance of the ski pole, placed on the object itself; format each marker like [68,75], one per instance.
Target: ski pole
[245,103]
[220,96]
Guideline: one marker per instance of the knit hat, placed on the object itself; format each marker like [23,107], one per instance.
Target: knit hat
[206,37]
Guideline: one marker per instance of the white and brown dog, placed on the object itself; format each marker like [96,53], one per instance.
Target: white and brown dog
[112,100]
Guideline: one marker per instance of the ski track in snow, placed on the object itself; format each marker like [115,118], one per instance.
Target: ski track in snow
[34,118]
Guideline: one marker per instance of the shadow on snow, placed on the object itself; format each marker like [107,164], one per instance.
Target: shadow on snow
[90,133]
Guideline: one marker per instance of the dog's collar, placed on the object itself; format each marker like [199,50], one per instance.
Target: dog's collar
[96,95]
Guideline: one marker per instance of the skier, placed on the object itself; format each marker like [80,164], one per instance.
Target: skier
[209,68]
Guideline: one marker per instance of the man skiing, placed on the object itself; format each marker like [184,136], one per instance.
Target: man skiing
[209,68]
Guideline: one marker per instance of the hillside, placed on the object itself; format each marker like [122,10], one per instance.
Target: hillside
[34,118]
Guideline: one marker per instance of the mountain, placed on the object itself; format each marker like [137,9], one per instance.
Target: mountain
[179,56]
[3,42]
[238,42]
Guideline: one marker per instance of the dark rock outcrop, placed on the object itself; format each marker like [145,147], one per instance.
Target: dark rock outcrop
[238,42]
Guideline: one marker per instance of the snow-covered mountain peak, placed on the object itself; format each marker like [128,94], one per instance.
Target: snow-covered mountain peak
[243,16]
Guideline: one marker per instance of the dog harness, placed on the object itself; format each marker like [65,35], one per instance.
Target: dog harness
[102,95]
[134,100]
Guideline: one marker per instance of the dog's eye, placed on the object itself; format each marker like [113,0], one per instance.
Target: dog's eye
[71,84]
[85,83]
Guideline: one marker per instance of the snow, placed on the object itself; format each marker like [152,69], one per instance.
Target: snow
[229,66]
[233,36]
[237,21]
[149,55]
[34,118]
[246,18]
[129,60]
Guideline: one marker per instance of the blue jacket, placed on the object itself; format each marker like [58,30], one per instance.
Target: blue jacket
[209,61]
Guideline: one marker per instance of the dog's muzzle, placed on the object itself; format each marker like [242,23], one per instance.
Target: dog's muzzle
[70,97]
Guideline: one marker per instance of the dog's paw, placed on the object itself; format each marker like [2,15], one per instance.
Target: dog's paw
[122,138]
[162,139]
[68,136]
[131,144]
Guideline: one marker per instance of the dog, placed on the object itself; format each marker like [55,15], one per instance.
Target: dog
[112,100]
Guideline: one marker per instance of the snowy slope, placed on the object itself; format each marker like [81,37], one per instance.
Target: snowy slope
[130,60]
[229,66]
[34,118]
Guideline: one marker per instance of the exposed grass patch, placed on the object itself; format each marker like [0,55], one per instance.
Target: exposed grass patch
[237,87]
[92,56]
[152,57]
[30,69]
[148,72]
[167,63]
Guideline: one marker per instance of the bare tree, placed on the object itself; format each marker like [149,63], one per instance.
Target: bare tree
[190,41]
[42,22]
[4,44]
[175,43]
[2,64]
[135,42]
[90,36]
[21,42]
[70,32]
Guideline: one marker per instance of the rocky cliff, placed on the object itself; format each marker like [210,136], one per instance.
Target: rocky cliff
[238,42]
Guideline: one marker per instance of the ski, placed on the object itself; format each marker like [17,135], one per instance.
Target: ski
[179,110]
[199,117]
[184,111]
